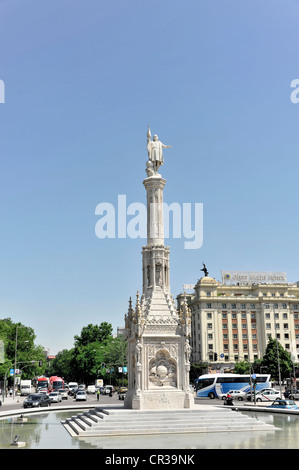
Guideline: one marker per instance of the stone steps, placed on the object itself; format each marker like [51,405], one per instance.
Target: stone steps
[101,422]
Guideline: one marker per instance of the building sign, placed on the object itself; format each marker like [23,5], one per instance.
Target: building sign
[252,277]
[188,286]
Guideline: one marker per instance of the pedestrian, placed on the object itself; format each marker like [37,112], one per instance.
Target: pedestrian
[98,395]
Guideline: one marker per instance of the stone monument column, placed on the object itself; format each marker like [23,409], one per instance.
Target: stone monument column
[158,335]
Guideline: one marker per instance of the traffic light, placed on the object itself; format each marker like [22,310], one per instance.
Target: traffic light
[215,356]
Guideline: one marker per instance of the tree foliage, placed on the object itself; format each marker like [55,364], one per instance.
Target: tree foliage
[197,369]
[20,339]
[94,333]
[274,353]
[269,363]
[96,354]
[242,367]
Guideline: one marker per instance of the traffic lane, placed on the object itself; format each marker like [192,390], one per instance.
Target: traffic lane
[219,402]
[17,402]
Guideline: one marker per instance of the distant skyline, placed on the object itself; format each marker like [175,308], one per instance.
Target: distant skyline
[82,82]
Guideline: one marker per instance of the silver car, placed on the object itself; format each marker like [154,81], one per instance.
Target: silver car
[81,395]
[63,393]
[55,397]
[235,394]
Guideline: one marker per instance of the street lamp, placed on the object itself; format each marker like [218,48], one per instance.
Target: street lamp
[15,366]
[278,362]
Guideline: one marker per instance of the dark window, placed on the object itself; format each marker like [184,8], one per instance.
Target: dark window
[202,383]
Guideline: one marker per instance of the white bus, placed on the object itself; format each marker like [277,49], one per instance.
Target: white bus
[210,385]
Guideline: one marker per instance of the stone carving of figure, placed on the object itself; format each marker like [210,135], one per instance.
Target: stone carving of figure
[154,150]
[158,275]
[138,350]
[187,351]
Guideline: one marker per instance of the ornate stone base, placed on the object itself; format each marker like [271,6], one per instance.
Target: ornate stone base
[159,400]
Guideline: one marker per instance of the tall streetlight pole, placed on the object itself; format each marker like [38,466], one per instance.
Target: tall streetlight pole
[278,363]
[15,366]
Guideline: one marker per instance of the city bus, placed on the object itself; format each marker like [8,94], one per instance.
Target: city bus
[55,383]
[42,383]
[210,385]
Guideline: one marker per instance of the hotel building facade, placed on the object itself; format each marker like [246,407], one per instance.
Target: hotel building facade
[233,322]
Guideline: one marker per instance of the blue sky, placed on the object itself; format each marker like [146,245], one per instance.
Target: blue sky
[83,79]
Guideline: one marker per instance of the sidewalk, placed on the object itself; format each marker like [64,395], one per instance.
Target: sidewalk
[10,401]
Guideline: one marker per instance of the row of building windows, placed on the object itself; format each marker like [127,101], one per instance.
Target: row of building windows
[251,306]
[236,358]
[236,347]
[264,294]
[253,336]
[253,315]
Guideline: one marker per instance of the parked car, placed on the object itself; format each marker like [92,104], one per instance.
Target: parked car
[236,395]
[269,395]
[263,390]
[55,397]
[35,400]
[63,393]
[284,404]
[293,395]
[81,395]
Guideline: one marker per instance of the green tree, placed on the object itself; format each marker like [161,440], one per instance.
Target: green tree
[61,365]
[20,340]
[94,333]
[91,352]
[197,369]
[242,367]
[115,357]
[270,360]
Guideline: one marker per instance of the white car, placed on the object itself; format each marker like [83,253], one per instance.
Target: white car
[55,397]
[81,395]
[63,393]
[235,394]
[268,395]
[91,389]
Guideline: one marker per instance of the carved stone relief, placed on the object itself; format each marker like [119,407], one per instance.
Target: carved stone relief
[162,370]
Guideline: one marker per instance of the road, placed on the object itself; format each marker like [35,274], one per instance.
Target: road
[17,402]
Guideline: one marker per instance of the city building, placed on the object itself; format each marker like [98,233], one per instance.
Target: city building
[232,321]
